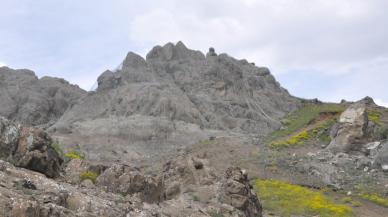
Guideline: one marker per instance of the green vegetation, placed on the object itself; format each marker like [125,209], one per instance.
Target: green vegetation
[297,139]
[374,116]
[74,155]
[92,176]
[346,200]
[286,200]
[311,122]
[375,198]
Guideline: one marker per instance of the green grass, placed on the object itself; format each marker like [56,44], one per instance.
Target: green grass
[286,200]
[304,116]
[92,176]
[375,198]
[295,132]
[74,155]
[374,116]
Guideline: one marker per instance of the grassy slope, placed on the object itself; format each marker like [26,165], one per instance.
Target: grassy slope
[310,123]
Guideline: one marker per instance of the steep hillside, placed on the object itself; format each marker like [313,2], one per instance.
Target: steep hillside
[33,101]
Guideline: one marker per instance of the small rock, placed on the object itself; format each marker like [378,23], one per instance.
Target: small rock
[197,164]
[87,183]
[27,183]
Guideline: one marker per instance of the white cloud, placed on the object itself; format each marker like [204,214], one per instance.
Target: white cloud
[381,102]
[2,64]
[345,40]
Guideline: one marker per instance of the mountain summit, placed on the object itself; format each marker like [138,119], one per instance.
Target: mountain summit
[173,95]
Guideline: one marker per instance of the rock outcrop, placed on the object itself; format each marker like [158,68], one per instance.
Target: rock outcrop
[237,192]
[52,198]
[122,191]
[32,101]
[29,148]
[351,129]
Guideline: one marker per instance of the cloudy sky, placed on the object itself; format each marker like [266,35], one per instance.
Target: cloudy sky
[315,48]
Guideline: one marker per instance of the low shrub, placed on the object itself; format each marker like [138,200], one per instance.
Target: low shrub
[74,155]
[298,139]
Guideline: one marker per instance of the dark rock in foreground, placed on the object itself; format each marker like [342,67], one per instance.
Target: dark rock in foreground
[29,148]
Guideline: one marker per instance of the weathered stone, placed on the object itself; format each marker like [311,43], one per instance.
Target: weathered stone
[236,191]
[29,148]
[351,129]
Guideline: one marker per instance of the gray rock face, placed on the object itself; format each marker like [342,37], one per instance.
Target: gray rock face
[381,158]
[173,95]
[29,148]
[33,101]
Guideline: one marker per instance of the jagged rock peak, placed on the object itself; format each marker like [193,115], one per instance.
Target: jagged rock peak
[134,60]
[173,52]
[367,101]
[33,101]
[212,52]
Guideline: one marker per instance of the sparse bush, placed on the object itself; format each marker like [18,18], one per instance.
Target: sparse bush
[74,155]
[375,198]
[346,200]
[356,204]
[92,176]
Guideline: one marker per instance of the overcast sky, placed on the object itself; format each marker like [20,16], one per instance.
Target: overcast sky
[315,48]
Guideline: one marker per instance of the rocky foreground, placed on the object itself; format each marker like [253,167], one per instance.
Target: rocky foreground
[116,190]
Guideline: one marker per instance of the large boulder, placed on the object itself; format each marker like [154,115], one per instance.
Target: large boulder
[29,148]
[237,192]
[381,158]
[350,132]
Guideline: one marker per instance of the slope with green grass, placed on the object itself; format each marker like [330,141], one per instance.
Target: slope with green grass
[310,123]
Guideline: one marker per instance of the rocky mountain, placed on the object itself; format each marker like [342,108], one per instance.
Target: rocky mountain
[33,101]
[176,97]
[175,134]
